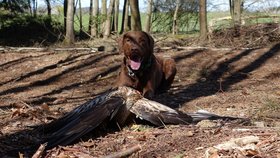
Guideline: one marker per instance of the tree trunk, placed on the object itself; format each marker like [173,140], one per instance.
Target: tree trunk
[69,38]
[35,3]
[94,27]
[237,13]
[231,8]
[123,16]
[116,18]
[81,17]
[127,21]
[136,20]
[49,7]
[103,15]
[203,20]
[108,20]
[237,16]
[175,16]
[149,15]
[29,6]
[65,4]
[90,15]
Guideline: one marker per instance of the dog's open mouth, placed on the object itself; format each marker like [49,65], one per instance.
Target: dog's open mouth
[135,62]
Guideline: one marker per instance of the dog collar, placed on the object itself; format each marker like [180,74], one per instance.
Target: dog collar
[130,72]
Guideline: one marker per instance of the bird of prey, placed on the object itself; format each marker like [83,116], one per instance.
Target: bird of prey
[116,105]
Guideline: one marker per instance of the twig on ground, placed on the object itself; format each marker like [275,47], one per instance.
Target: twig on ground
[40,151]
[124,152]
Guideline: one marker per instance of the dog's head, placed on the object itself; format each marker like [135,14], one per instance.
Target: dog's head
[137,47]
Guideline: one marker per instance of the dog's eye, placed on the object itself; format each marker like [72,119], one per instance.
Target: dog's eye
[142,43]
[127,40]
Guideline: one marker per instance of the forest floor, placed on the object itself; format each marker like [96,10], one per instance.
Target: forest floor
[37,87]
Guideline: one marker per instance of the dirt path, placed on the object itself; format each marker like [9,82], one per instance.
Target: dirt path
[36,87]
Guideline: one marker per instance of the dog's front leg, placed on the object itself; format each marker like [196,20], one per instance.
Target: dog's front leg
[148,91]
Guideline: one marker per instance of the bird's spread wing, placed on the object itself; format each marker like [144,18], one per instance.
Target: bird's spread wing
[83,119]
[158,114]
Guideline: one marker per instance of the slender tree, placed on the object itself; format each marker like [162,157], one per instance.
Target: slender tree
[29,6]
[136,20]
[127,17]
[237,13]
[49,7]
[81,17]
[123,15]
[90,15]
[109,19]
[103,15]
[149,16]
[35,6]
[175,16]
[203,19]
[69,38]
[94,27]
[65,5]
[116,16]
[231,8]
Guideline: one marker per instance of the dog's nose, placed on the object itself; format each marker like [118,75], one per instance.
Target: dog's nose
[133,49]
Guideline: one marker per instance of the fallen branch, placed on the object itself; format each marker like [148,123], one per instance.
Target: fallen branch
[125,153]
[199,48]
[38,49]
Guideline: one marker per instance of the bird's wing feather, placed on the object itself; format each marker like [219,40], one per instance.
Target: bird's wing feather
[205,115]
[158,114]
[83,119]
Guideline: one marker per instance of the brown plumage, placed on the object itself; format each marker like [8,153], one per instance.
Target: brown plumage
[116,105]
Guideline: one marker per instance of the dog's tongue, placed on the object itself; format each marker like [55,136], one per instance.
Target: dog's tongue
[135,65]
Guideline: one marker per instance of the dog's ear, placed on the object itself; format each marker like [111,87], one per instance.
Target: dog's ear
[120,43]
[151,41]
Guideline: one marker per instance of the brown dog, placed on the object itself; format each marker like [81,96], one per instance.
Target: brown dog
[141,69]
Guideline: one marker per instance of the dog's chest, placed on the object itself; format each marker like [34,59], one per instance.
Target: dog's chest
[138,83]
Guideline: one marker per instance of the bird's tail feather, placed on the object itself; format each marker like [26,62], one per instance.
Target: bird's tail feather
[205,115]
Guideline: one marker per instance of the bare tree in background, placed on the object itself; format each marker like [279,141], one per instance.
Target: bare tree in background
[127,21]
[135,13]
[125,17]
[175,16]
[34,8]
[203,20]
[237,13]
[163,15]
[29,6]
[149,16]
[93,25]
[65,5]
[69,38]
[116,17]
[81,17]
[231,8]
[49,7]
[90,15]
[103,16]
[109,19]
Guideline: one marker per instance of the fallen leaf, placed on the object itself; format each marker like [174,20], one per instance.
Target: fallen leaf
[88,144]
[45,106]
[189,134]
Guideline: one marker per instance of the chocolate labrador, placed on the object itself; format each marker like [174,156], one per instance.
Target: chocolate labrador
[141,69]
